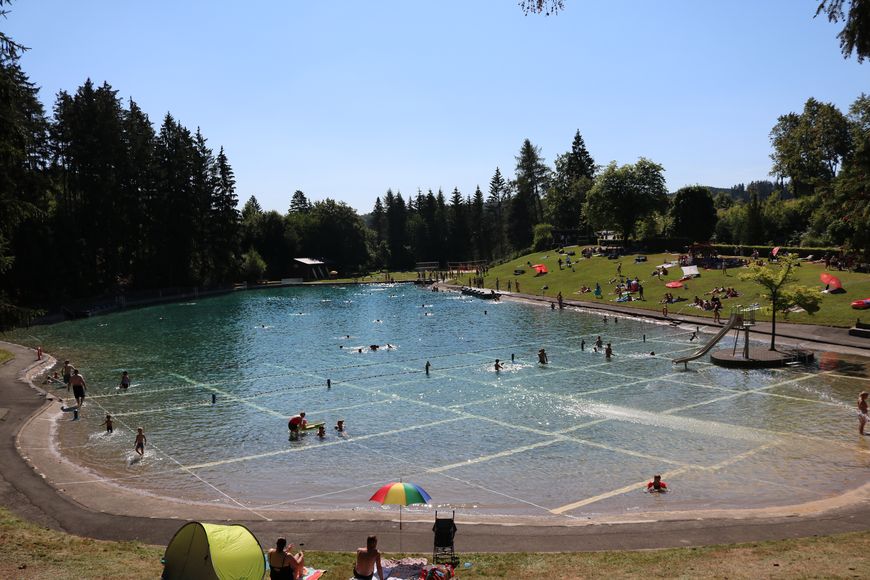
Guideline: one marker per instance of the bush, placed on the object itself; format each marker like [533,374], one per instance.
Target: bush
[543,237]
[253,266]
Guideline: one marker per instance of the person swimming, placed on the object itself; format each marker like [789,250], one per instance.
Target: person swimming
[657,485]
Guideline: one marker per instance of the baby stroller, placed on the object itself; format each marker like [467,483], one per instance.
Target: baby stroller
[445,530]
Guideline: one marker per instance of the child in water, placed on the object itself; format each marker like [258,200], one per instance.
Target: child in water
[125,381]
[140,442]
[657,485]
[108,423]
[321,432]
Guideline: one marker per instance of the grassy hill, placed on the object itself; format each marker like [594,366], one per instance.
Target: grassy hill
[835,311]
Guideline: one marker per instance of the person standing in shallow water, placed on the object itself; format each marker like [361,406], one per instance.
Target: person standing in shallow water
[77,382]
[862,412]
[542,357]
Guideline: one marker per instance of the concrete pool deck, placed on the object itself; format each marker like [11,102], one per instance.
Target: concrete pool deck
[106,511]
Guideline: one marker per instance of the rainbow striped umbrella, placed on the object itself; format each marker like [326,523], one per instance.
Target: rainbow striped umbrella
[400,494]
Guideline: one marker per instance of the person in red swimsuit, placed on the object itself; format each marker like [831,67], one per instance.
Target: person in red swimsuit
[657,485]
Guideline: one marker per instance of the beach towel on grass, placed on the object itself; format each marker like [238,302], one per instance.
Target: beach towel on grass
[311,573]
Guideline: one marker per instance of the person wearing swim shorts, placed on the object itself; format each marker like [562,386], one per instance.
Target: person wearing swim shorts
[367,560]
[77,382]
[140,442]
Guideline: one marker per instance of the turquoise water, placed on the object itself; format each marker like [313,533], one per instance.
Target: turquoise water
[574,438]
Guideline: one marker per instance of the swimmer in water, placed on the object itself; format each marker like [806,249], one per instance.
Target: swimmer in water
[498,366]
[608,351]
[321,432]
[125,381]
[107,423]
[542,357]
[339,426]
[657,485]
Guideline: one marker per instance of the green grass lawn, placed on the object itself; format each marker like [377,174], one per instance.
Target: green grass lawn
[835,310]
[5,355]
[30,551]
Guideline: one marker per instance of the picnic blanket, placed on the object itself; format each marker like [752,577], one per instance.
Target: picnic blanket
[404,569]
[311,573]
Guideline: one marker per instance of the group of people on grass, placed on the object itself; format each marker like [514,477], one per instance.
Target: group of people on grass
[285,565]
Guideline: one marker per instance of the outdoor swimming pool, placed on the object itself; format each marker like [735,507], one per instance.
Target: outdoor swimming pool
[575,438]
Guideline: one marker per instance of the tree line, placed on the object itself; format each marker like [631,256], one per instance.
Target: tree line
[95,199]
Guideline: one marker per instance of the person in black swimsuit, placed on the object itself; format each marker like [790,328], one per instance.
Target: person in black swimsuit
[283,565]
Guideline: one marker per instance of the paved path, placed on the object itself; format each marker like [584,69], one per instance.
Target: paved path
[26,493]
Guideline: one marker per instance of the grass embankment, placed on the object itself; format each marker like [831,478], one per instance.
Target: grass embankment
[835,310]
[5,355]
[30,551]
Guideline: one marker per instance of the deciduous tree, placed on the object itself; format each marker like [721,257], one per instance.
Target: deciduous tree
[623,195]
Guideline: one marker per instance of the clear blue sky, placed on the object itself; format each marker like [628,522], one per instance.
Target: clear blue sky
[346,98]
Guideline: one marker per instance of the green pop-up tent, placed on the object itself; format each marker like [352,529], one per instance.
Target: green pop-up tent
[212,552]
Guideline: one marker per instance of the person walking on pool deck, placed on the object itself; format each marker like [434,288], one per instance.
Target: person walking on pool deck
[367,560]
[141,440]
[283,564]
[77,382]
[862,412]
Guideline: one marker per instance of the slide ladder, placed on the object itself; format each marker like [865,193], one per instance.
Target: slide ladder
[735,321]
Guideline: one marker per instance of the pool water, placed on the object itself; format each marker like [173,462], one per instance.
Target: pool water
[575,438]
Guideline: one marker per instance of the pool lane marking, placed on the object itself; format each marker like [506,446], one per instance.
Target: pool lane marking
[669,474]
[738,394]
[231,397]
[453,477]
[287,451]
[188,471]
[638,486]
[498,455]
[547,434]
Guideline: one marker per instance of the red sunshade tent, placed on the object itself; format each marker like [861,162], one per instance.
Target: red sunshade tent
[674,284]
[831,281]
[775,251]
[542,269]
